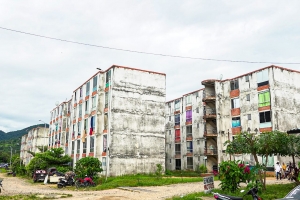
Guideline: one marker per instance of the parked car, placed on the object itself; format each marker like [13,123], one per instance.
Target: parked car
[293,194]
[39,175]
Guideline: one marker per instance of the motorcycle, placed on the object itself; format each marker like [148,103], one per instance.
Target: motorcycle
[252,191]
[63,182]
[86,182]
[1,186]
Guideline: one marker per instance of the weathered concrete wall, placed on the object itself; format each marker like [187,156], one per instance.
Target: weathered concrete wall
[197,132]
[285,99]
[136,137]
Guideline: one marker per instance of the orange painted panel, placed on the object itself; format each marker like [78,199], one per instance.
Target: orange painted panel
[93,112]
[189,154]
[105,110]
[188,108]
[79,119]
[234,93]
[105,131]
[86,116]
[68,115]
[74,121]
[83,155]
[235,111]
[264,108]
[67,129]
[265,129]
[51,122]
[177,156]
[176,112]
[80,102]
[103,153]
[106,89]
[188,123]
[87,97]
[91,154]
[177,126]
[236,130]
[94,93]
[75,104]
[177,140]
[264,87]
[189,138]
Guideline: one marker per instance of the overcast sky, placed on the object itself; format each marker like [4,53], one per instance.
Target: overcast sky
[35,72]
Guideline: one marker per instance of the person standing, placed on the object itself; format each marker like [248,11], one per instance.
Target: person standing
[278,170]
[284,169]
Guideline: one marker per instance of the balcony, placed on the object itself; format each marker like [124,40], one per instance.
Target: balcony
[189,137]
[210,152]
[210,133]
[208,82]
[209,113]
[209,97]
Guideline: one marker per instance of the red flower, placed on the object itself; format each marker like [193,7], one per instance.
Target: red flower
[247,170]
[241,165]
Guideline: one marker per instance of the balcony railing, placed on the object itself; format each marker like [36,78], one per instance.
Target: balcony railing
[210,151]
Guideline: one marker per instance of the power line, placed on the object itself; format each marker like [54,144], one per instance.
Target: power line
[150,53]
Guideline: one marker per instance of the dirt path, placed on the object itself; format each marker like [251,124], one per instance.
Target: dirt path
[15,185]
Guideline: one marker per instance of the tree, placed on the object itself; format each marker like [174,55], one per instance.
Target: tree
[264,144]
[89,166]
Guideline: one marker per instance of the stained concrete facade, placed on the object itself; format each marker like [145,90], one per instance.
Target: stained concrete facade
[118,116]
[263,100]
[59,130]
[35,139]
[186,144]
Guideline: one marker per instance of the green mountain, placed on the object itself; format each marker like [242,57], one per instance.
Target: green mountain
[18,134]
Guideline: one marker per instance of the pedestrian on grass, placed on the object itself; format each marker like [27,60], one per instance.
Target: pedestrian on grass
[278,169]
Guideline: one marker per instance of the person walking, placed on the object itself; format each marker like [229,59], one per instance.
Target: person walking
[278,170]
[284,169]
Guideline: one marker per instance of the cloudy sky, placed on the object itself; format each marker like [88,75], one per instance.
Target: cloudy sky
[35,72]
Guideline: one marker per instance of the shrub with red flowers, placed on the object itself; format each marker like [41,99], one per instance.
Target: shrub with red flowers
[232,173]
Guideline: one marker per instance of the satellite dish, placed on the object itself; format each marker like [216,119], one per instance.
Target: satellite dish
[57,103]
[221,76]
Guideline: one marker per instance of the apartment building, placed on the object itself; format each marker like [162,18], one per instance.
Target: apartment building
[118,116]
[35,139]
[263,100]
[60,121]
[186,133]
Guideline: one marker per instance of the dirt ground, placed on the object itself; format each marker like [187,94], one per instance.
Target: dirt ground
[15,185]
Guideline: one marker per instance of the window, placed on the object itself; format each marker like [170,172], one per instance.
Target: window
[236,122]
[189,161]
[177,119]
[106,99]
[92,144]
[169,132]
[235,103]
[188,99]
[80,110]
[75,96]
[86,125]
[197,110]
[169,118]
[93,101]
[248,97]
[265,117]
[170,146]
[73,146]
[177,149]
[67,137]
[177,134]
[95,83]
[80,93]
[105,121]
[107,78]
[86,107]
[189,116]
[264,99]
[87,90]
[170,161]
[247,78]
[197,125]
[189,146]
[83,147]
[234,84]
[177,104]
[198,141]
[189,131]
[103,161]
[79,128]
[262,78]
[196,94]
[104,143]
[249,116]
[78,146]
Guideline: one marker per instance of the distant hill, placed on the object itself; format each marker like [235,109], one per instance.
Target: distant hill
[19,133]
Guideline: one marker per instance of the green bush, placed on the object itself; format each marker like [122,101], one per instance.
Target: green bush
[203,169]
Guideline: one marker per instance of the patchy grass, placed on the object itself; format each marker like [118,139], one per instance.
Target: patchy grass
[142,180]
[273,192]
